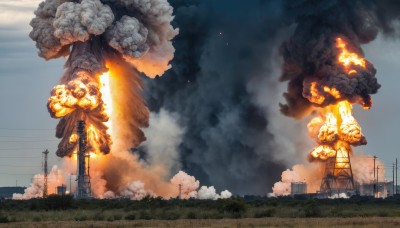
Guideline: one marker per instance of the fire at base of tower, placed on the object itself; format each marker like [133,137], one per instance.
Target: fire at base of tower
[334,128]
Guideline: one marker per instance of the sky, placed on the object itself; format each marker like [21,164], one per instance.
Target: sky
[26,128]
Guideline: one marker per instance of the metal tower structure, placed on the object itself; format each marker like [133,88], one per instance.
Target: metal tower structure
[45,171]
[338,174]
[84,186]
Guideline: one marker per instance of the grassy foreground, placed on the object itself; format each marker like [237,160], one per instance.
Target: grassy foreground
[245,222]
[57,211]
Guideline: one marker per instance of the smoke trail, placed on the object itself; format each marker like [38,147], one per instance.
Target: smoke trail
[95,33]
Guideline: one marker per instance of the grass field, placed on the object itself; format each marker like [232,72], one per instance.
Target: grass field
[246,222]
[56,211]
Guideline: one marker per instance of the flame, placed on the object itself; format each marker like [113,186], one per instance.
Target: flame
[335,129]
[105,90]
[348,59]
[323,152]
[315,96]
[79,93]
[333,92]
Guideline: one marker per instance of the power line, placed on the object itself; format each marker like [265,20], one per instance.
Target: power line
[21,157]
[27,129]
[25,137]
[45,140]
[2,165]
[24,148]
[18,174]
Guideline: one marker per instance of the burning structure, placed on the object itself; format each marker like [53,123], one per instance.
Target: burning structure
[327,74]
[107,44]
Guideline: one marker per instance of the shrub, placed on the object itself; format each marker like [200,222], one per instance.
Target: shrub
[37,219]
[311,209]
[130,217]
[145,215]
[191,215]
[169,216]
[264,213]
[4,218]
[234,206]
[98,216]
[81,218]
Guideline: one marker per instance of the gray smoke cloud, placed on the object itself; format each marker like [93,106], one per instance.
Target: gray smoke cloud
[144,39]
[128,36]
[228,142]
[224,81]
[93,32]
[77,21]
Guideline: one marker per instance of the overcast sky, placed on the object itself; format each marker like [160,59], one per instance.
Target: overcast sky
[26,128]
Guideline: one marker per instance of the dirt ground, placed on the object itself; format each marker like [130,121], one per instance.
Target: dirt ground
[263,222]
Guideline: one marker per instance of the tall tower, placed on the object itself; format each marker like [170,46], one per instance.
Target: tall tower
[338,174]
[45,171]
[84,188]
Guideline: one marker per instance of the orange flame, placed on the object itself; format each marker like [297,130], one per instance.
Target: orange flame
[347,58]
[336,128]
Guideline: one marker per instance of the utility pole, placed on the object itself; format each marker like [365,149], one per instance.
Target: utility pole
[70,184]
[180,191]
[396,176]
[375,157]
[393,180]
[45,153]
[377,179]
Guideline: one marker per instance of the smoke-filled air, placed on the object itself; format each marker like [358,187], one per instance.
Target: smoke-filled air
[108,45]
[178,92]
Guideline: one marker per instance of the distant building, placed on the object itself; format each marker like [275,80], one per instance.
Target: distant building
[61,190]
[379,190]
[7,192]
[298,188]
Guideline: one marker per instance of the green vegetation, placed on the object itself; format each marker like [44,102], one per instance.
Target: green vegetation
[64,208]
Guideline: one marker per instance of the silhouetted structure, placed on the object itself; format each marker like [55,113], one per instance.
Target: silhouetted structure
[84,186]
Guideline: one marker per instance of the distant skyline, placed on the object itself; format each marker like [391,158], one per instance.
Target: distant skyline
[26,128]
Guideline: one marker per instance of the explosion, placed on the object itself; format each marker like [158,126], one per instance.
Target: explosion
[327,75]
[93,33]
[107,43]
[335,128]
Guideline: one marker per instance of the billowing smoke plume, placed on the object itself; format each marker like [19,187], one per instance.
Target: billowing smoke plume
[228,142]
[93,33]
[189,188]
[55,178]
[310,55]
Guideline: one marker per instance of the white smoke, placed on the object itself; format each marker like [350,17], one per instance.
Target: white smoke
[210,193]
[135,191]
[339,196]
[164,135]
[188,183]
[54,179]
[311,174]
[189,186]
[362,168]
